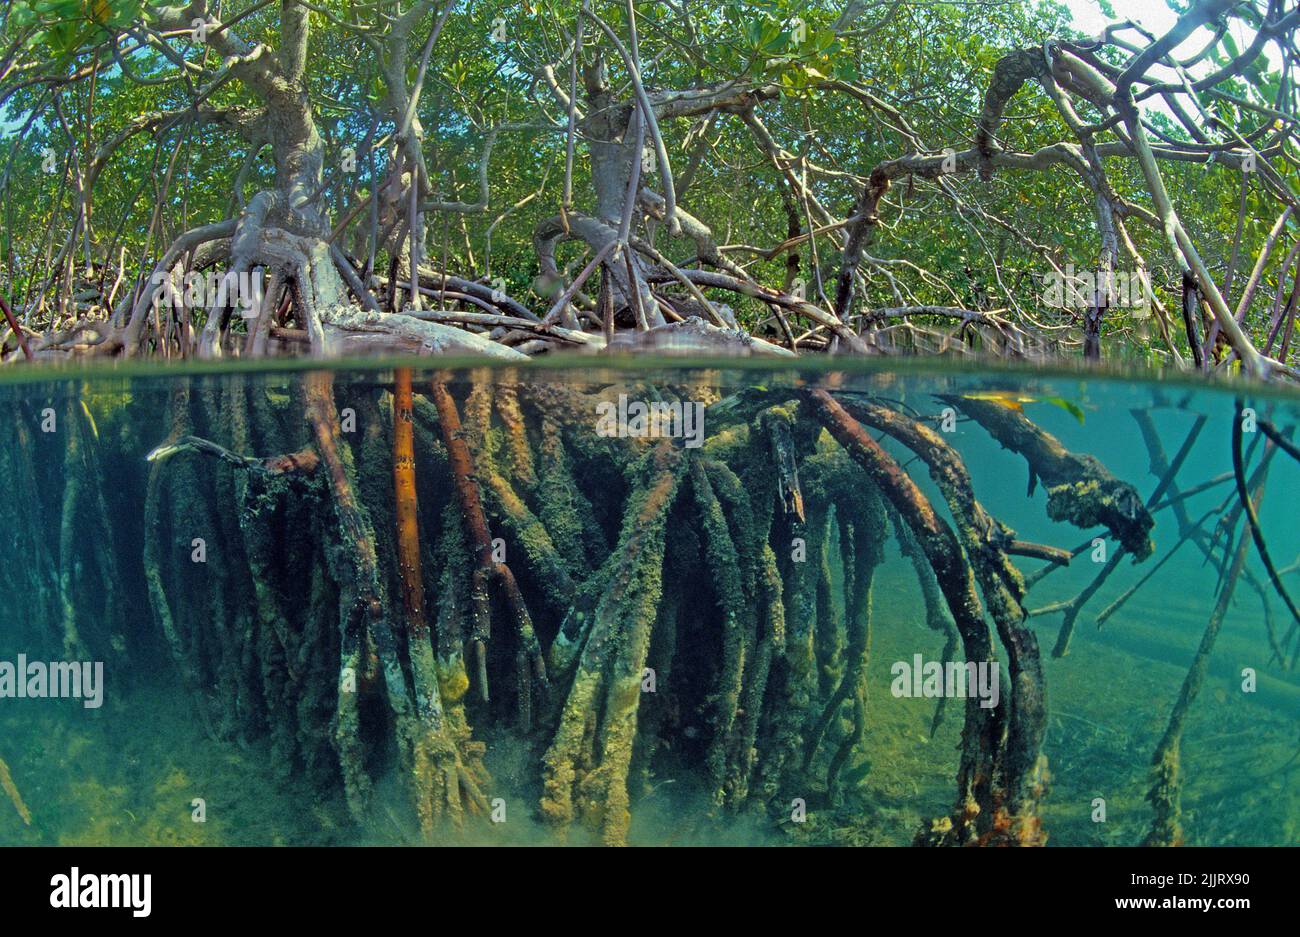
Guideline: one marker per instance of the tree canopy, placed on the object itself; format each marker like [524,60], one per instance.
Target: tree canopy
[759,176]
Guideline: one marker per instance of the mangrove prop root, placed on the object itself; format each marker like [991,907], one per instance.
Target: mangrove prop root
[826,632]
[439,781]
[1252,518]
[936,618]
[1079,488]
[1195,529]
[68,534]
[590,754]
[435,752]
[735,624]
[984,540]
[785,457]
[1073,607]
[634,555]
[357,609]
[766,476]
[863,532]
[1159,461]
[1189,530]
[522,468]
[982,732]
[507,487]
[1167,471]
[1038,551]
[406,508]
[748,509]
[1278,439]
[157,563]
[9,787]
[771,643]
[480,540]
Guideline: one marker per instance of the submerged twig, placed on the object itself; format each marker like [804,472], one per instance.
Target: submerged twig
[8,786]
[1252,518]
[1165,794]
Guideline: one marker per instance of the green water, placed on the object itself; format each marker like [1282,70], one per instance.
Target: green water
[221,676]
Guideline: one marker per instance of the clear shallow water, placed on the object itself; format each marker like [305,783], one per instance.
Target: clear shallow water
[222,676]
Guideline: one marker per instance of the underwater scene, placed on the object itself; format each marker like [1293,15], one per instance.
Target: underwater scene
[842,603]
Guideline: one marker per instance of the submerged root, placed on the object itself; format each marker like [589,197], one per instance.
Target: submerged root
[465,483]
[862,540]
[1079,488]
[982,735]
[435,751]
[1165,793]
[1165,797]
[371,622]
[984,542]
[735,624]
[589,759]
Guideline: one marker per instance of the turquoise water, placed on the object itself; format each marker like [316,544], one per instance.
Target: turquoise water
[692,640]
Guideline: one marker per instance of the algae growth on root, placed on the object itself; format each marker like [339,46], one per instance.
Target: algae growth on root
[403,572]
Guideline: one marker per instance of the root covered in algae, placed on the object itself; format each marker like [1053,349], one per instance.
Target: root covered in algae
[437,564]
[586,767]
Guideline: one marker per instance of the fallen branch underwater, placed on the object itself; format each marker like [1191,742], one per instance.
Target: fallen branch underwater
[304,460]
[1079,488]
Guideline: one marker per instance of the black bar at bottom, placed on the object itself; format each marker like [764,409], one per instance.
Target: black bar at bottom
[366,886]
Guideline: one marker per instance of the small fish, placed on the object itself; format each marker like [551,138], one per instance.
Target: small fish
[163,451]
[1013,400]
[1003,398]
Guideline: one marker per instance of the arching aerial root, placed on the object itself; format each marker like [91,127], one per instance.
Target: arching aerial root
[999,779]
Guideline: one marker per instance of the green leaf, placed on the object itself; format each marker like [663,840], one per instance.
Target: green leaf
[1068,406]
